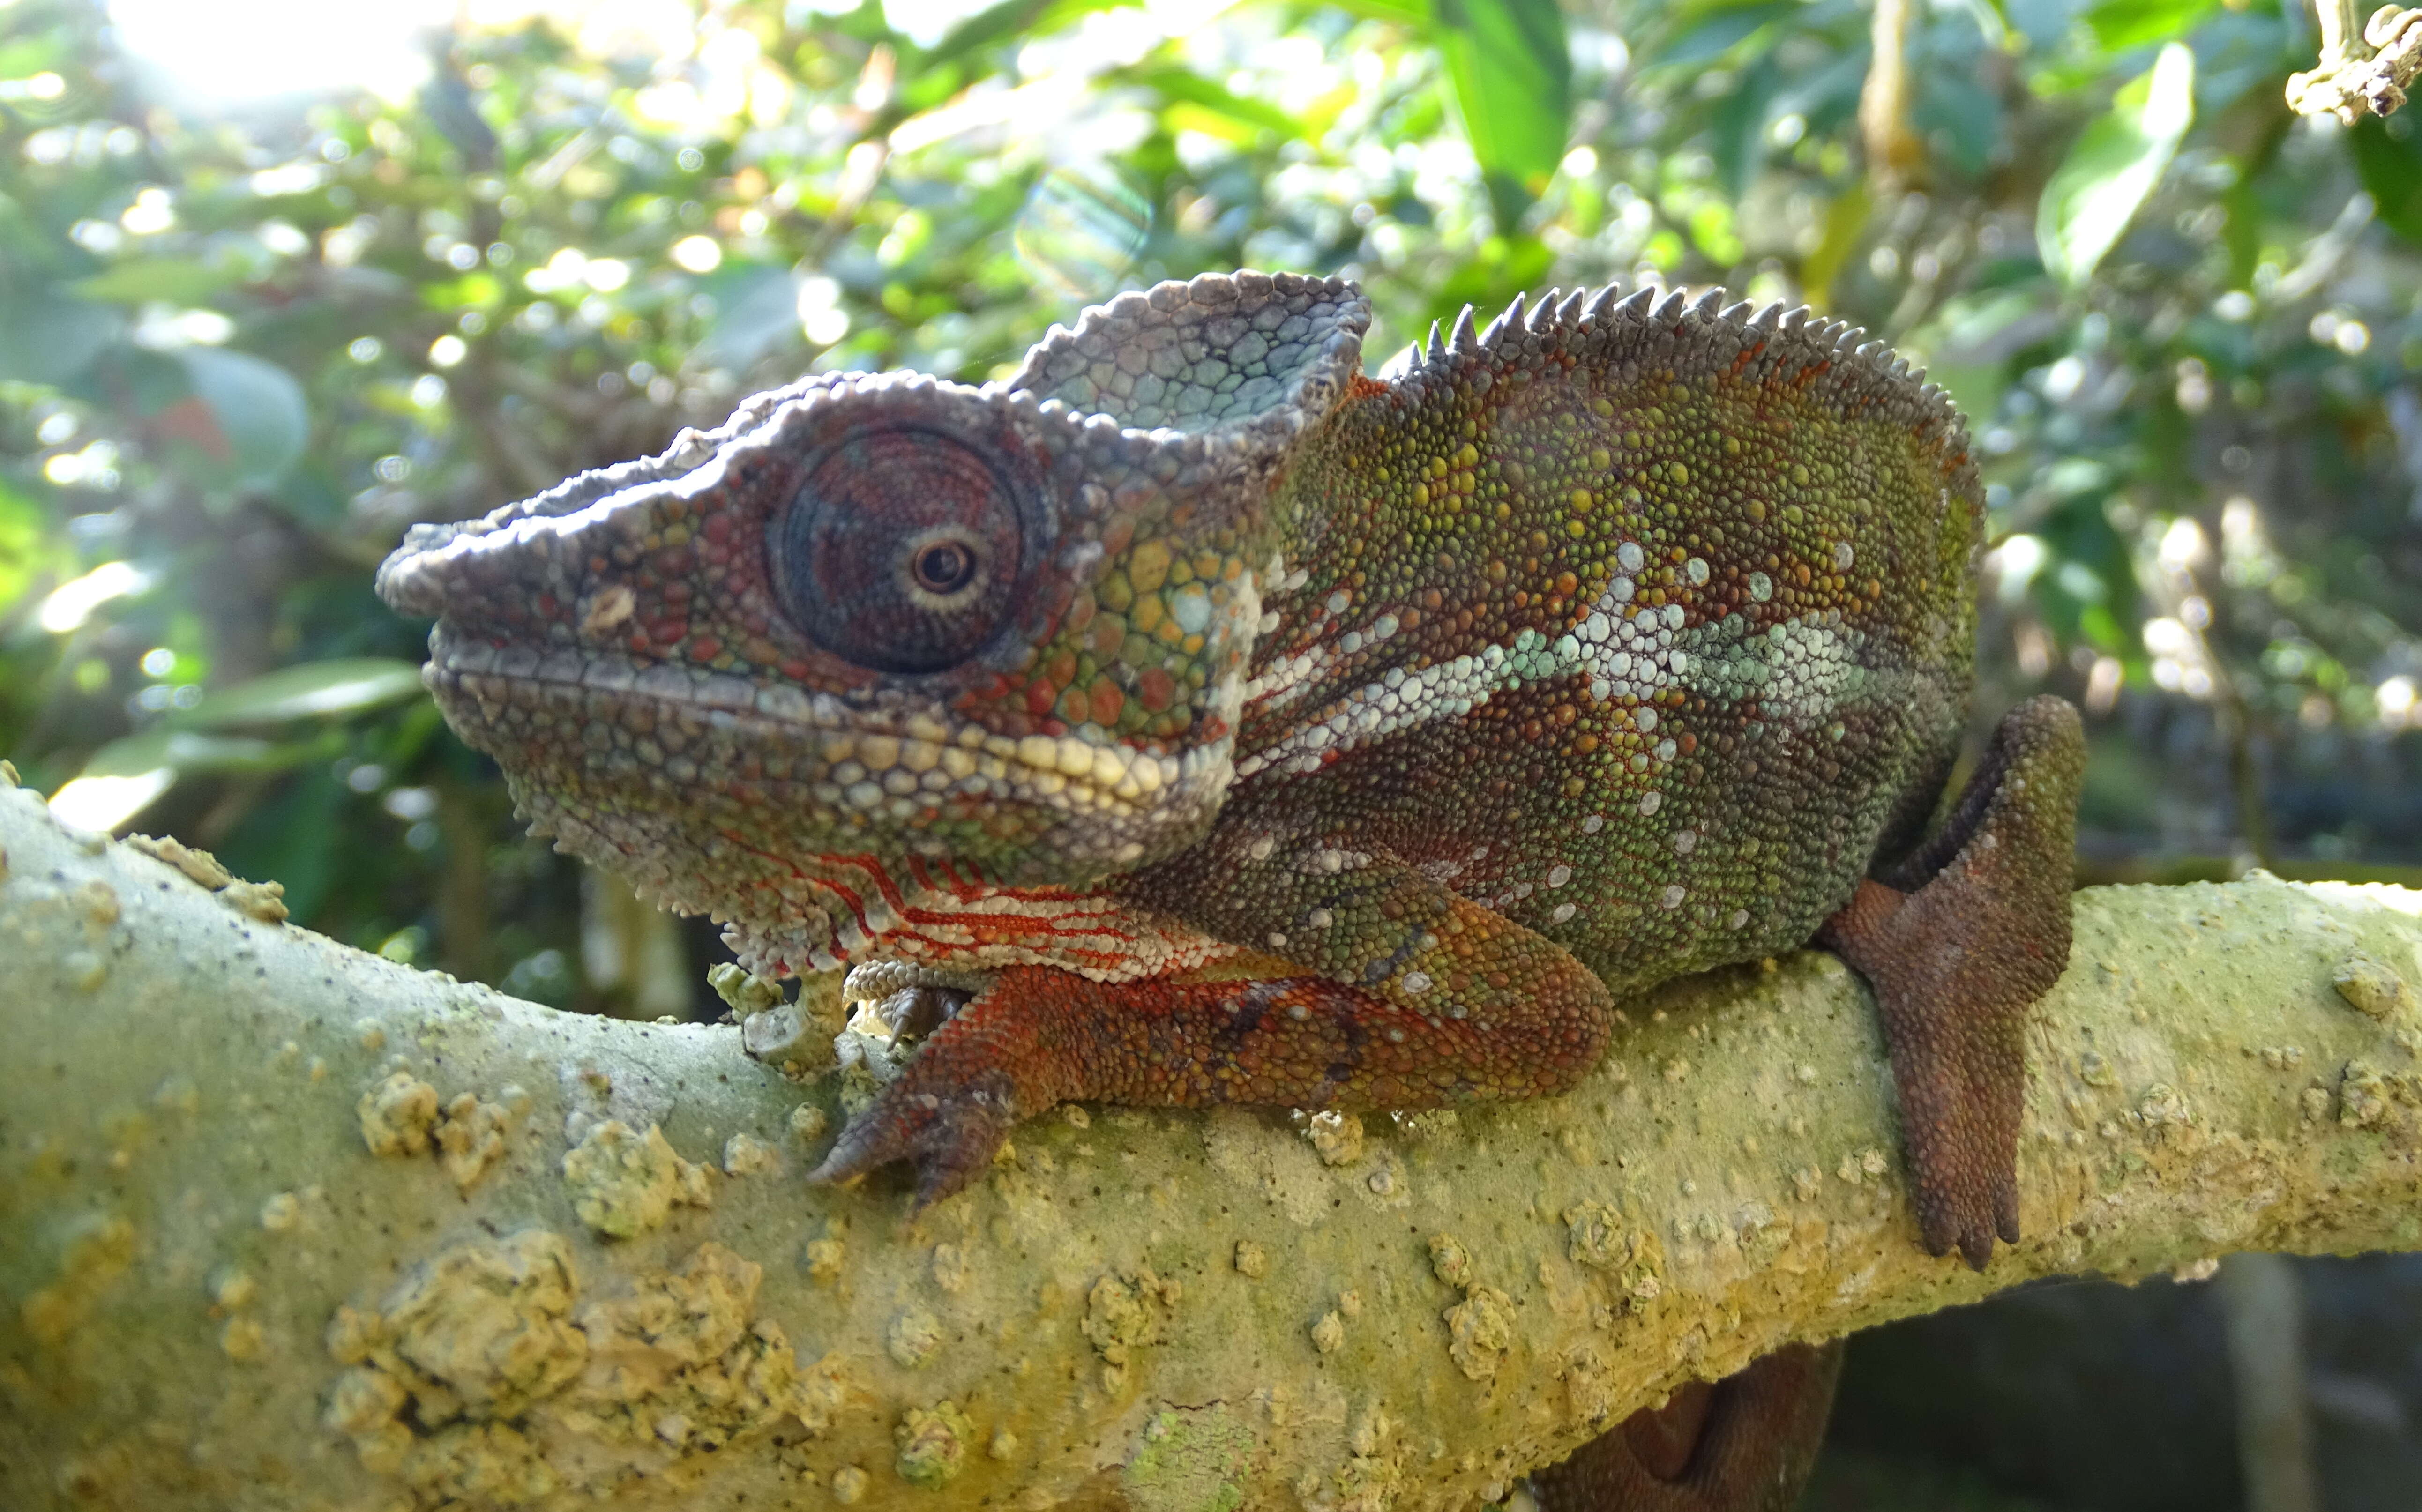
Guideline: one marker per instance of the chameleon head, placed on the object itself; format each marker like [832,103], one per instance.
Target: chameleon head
[886,623]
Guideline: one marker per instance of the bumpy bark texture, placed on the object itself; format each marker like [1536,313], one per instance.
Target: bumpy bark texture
[291,1226]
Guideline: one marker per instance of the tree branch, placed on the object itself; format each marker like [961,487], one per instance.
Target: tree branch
[2359,76]
[1894,151]
[291,1225]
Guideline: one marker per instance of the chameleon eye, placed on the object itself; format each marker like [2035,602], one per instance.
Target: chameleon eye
[900,552]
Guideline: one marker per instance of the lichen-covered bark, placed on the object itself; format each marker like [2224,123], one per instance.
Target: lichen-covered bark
[285,1225]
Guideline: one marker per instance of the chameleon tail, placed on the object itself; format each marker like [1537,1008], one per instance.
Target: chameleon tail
[1746,1444]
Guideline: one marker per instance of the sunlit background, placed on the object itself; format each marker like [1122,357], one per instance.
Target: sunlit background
[278,279]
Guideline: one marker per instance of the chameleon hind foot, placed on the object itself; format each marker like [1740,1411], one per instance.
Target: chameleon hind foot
[1745,1444]
[1959,941]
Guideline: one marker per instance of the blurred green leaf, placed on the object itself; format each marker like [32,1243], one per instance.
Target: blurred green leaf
[1182,86]
[1507,266]
[1513,72]
[1704,32]
[314,690]
[28,54]
[480,291]
[29,554]
[1080,232]
[240,423]
[1405,12]
[1846,221]
[2114,166]
[186,753]
[2390,164]
[756,313]
[1740,126]
[175,280]
[1961,121]
[1992,19]
[2121,25]
[298,836]
[1011,19]
[50,339]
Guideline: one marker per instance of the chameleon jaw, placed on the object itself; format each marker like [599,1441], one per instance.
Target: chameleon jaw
[894,776]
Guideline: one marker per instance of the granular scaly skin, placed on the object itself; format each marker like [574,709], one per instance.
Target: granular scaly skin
[1275,734]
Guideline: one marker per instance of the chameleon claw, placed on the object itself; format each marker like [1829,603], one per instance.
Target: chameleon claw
[949,1135]
[1965,1219]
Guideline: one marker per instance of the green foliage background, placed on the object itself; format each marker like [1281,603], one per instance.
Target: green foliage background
[242,347]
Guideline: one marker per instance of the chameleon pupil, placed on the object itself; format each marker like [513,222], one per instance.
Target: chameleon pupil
[945,568]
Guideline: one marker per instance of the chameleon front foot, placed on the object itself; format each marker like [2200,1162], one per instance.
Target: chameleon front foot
[1959,941]
[1746,1444]
[1036,1036]
[952,1105]
[949,1135]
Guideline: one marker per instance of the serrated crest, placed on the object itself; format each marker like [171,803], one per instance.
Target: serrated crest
[1670,328]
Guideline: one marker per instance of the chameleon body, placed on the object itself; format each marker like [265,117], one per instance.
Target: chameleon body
[1241,728]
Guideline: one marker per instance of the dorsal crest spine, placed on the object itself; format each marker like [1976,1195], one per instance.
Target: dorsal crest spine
[1835,362]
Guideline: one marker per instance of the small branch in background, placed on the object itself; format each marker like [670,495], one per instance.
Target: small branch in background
[631,951]
[2262,1304]
[2359,76]
[462,893]
[2244,772]
[2172,584]
[1894,151]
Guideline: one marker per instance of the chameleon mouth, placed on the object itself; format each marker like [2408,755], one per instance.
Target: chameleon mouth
[702,726]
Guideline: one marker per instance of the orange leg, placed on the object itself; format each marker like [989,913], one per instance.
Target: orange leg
[1038,1036]
[1409,996]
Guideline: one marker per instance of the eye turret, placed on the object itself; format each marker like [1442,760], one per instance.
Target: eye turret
[903,551]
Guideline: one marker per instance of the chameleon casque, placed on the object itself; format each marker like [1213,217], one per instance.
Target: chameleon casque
[1204,720]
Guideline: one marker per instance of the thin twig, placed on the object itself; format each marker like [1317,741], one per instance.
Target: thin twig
[2359,76]
[1894,152]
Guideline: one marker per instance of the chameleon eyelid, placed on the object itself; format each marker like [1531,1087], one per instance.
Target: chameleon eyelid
[847,548]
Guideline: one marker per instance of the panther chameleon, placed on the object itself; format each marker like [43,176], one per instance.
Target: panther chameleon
[1191,718]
